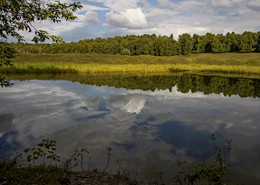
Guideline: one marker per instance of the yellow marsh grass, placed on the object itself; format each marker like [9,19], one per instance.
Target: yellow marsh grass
[98,68]
[233,63]
[141,68]
[218,68]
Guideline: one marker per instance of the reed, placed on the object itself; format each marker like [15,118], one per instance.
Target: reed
[236,69]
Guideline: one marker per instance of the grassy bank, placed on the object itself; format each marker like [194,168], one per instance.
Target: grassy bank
[227,63]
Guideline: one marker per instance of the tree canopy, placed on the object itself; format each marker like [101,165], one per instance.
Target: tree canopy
[153,45]
[20,15]
[16,15]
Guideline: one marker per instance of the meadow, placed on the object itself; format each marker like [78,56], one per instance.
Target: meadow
[241,64]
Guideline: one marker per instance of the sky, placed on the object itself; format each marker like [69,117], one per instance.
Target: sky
[109,18]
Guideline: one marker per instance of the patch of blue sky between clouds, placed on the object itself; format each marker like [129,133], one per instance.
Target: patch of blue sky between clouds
[95,4]
[222,13]
[92,3]
[176,1]
[101,15]
[153,2]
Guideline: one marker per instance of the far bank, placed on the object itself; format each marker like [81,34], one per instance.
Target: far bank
[231,64]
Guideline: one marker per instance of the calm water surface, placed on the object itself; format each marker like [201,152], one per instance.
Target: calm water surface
[147,130]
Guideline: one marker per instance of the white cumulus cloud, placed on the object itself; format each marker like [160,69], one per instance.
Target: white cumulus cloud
[254,4]
[109,18]
[131,18]
[91,18]
[166,4]
[133,103]
[223,3]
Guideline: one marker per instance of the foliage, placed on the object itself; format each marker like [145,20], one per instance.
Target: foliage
[6,54]
[121,170]
[19,15]
[108,158]
[73,159]
[45,150]
[248,42]
[153,45]
[232,64]
[125,51]
[186,44]
[211,173]
[11,172]
[5,83]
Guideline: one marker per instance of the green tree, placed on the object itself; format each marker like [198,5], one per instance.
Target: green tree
[232,41]
[185,41]
[208,40]
[6,54]
[159,46]
[171,46]
[248,42]
[258,42]
[198,46]
[19,15]
[218,44]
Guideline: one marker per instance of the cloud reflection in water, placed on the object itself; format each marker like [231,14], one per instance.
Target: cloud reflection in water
[144,128]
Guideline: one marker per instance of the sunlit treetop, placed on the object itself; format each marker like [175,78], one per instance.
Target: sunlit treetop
[16,15]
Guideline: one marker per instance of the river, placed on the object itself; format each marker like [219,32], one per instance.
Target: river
[149,122]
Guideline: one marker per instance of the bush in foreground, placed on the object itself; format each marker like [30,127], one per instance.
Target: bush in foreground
[42,166]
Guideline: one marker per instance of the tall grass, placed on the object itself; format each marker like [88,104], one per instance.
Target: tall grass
[236,69]
[227,63]
[203,58]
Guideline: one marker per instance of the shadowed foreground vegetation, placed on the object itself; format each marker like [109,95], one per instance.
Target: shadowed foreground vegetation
[232,64]
[41,165]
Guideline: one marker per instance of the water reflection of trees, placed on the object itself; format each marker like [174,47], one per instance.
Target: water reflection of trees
[244,87]
[185,83]
[5,83]
[228,86]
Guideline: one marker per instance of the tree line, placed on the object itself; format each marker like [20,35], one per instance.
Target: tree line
[152,45]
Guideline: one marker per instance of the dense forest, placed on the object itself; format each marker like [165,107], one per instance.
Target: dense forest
[152,45]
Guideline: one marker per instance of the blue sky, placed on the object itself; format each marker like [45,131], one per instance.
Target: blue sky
[109,18]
